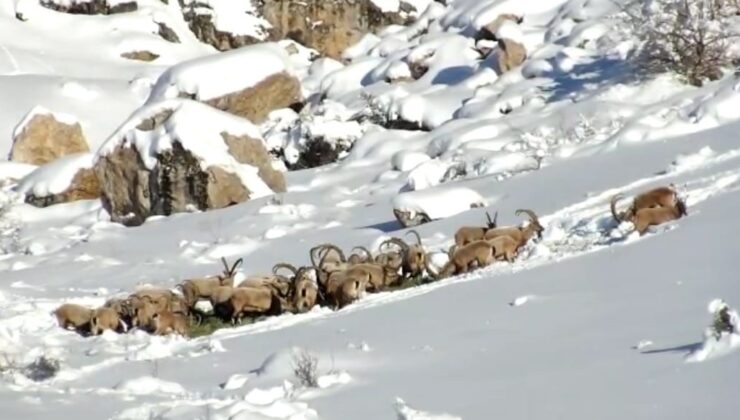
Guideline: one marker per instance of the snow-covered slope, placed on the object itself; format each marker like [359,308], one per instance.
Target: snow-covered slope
[590,322]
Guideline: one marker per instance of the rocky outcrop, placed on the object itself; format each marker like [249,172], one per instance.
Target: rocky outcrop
[329,26]
[188,173]
[90,7]
[254,103]
[42,138]
[199,17]
[140,55]
[489,31]
[509,54]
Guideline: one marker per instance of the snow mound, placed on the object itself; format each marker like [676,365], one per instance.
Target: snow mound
[147,385]
[55,177]
[218,75]
[405,412]
[441,202]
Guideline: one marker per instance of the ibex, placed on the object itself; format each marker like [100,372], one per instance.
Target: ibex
[657,197]
[468,234]
[249,300]
[651,216]
[170,322]
[304,289]
[195,289]
[73,315]
[474,254]
[106,319]
[344,288]
[521,234]
[413,257]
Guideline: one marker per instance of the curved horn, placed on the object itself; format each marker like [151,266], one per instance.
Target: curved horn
[404,246]
[613,205]
[365,250]
[530,213]
[451,251]
[278,266]
[415,233]
[226,265]
[432,273]
[335,248]
[237,263]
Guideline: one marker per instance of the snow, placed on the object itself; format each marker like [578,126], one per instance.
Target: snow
[589,321]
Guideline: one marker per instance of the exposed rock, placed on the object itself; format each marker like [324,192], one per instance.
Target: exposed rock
[140,55]
[43,139]
[167,33]
[176,179]
[329,26]
[253,152]
[410,219]
[510,54]
[200,22]
[255,103]
[90,7]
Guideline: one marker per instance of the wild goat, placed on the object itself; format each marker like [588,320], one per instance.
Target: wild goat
[473,255]
[250,300]
[657,197]
[331,259]
[343,288]
[650,216]
[468,234]
[106,319]
[520,234]
[412,256]
[170,322]
[196,289]
[73,315]
[304,289]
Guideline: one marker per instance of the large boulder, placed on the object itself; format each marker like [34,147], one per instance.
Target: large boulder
[67,179]
[43,137]
[249,82]
[509,54]
[225,26]
[331,26]
[181,155]
[90,7]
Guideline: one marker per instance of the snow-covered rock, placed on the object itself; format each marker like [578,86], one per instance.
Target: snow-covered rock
[66,179]
[181,155]
[234,82]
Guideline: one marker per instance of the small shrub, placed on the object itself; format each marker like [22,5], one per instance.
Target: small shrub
[317,152]
[41,369]
[305,368]
[689,37]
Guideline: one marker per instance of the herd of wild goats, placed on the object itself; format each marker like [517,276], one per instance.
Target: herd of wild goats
[332,279]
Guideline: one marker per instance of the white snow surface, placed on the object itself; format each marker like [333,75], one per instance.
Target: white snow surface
[590,322]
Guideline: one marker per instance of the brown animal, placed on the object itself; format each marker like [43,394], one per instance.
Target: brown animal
[521,234]
[143,313]
[650,216]
[170,322]
[344,288]
[330,259]
[412,257]
[196,289]
[468,234]
[123,307]
[249,300]
[657,197]
[73,315]
[356,258]
[473,255]
[106,319]
[304,289]
[505,247]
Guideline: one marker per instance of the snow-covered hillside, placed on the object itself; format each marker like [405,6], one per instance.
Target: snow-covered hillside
[592,321]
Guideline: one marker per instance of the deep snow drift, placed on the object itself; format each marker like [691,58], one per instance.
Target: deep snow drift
[592,321]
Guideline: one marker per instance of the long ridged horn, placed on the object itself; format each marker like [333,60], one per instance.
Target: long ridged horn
[613,205]
[404,246]
[278,266]
[226,265]
[365,250]
[415,233]
[530,213]
[237,263]
[492,223]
